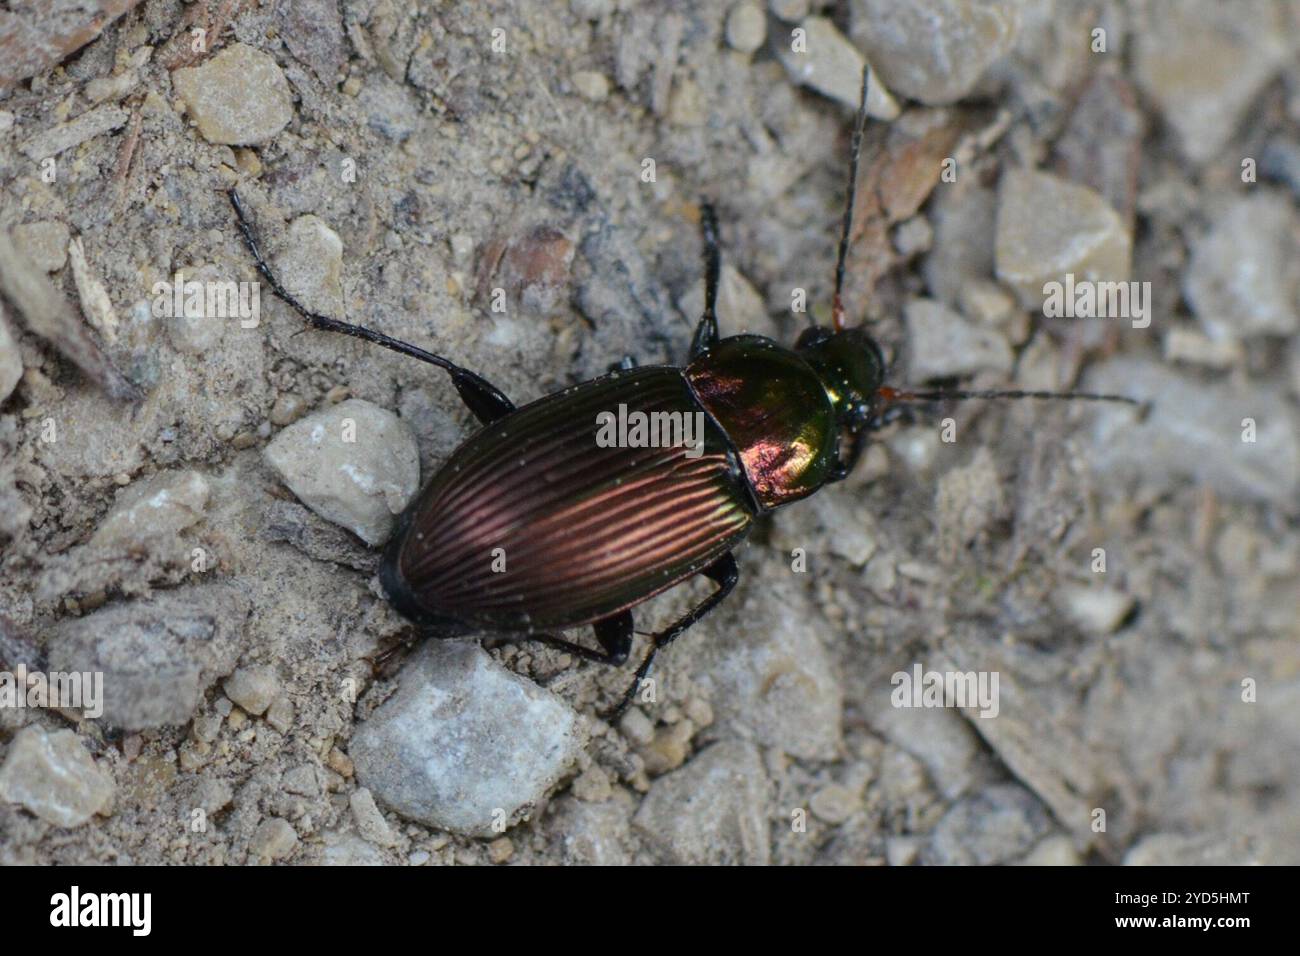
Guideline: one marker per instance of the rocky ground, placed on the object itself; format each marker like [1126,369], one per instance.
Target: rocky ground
[168,516]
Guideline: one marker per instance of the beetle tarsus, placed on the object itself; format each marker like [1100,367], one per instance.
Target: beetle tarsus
[724,573]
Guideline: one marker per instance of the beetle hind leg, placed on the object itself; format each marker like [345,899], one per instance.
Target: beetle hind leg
[614,634]
[724,573]
[487,402]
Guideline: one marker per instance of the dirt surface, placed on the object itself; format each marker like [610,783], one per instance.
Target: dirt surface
[401,163]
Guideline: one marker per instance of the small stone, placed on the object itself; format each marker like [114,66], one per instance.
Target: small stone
[11,359]
[46,244]
[1203,63]
[669,748]
[311,265]
[711,811]
[419,858]
[64,136]
[158,655]
[1196,348]
[206,728]
[464,744]
[913,236]
[302,780]
[288,408]
[687,106]
[534,270]
[593,834]
[252,688]
[355,464]
[238,97]
[1053,851]
[746,27]
[1048,228]
[993,826]
[901,851]
[983,300]
[592,785]
[274,839]
[591,85]
[944,345]
[831,65]
[280,714]
[159,507]
[792,11]
[339,762]
[1240,280]
[935,51]
[636,726]
[501,850]
[54,777]
[370,822]
[1097,610]
[834,803]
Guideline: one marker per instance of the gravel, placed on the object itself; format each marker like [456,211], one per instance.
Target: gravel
[399,170]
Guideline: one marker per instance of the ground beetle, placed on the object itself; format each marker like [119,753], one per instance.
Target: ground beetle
[589,532]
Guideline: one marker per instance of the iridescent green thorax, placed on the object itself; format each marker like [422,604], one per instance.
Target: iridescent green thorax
[849,365]
[775,409]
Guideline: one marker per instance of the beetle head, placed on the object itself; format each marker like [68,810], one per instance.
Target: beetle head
[851,368]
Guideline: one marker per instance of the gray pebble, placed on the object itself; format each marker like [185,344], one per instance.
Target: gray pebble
[935,50]
[711,811]
[464,744]
[157,656]
[54,777]
[943,344]
[252,688]
[160,506]
[746,27]
[360,483]
[238,97]
[1241,279]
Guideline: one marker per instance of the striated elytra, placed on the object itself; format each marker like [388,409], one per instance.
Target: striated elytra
[534,526]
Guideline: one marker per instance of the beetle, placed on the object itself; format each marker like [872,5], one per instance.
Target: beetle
[532,527]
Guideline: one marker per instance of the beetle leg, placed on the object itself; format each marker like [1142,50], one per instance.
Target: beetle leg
[722,572]
[485,400]
[614,634]
[845,464]
[706,333]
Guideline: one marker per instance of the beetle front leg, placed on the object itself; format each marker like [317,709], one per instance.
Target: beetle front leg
[724,573]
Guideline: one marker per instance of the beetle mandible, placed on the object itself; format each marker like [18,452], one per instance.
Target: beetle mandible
[590,532]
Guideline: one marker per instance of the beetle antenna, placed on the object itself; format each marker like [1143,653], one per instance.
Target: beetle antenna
[846,229]
[891,395]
